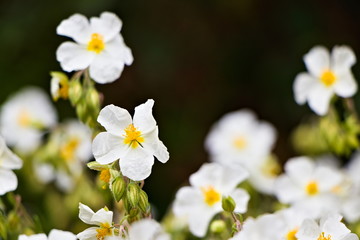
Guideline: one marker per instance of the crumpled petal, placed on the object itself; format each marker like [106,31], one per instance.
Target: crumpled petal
[143,118]
[108,25]
[73,57]
[114,119]
[85,213]
[77,27]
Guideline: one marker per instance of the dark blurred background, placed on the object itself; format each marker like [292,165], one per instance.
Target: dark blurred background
[198,59]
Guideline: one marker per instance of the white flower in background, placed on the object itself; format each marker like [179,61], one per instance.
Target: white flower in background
[310,187]
[203,199]
[53,235]
[327,75]
[102,219]
[98,45]
[8,161]
[25,116]
[239,138]
[146,229]
[134,141]
[292,220]
[330,228]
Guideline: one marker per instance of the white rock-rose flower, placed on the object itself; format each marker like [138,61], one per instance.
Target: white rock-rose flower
[134,141]
[98,45]
[146,229]
[54,234]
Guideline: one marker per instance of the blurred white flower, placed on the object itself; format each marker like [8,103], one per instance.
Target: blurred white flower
[99,46]
[146,229]
[102,219]
[134,141]
[25,116]
[53,235]
[8,161]
[329,228]
[310,187]
[203,199]
[327,75]
[239,138]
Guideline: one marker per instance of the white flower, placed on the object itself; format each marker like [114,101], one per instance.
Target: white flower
[135,141]
[25,116]
[98,46]
[330,228]
[239,138]
[147,229]
[202,200]
[308,186]
[8,161]
[53,235]
[328,75]
[102,219]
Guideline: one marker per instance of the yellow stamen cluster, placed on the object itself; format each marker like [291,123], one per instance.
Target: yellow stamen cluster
[96,44]
[63,90]
[103,231]
[328,78]
[24,119]
[240,142]
[67,151]
[291,234]
[133,136]
[312,188]
[211,196]
[322,237]
[105,175]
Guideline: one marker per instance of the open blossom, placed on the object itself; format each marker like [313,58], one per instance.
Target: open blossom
[329,228]
[146,229]
[8,161]
[203,199]
[25,116]
[327,75]
[53,235]
[98,45]
[102,219]
[134,141]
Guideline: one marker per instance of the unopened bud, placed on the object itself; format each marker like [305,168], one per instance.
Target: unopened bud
[114,173]
[118,188]
[143,201]
[81,111]
[93,98]
[96,166]
[59,85]
[133,212]
[75,91]
[228,204]
[132,194]
[217,226]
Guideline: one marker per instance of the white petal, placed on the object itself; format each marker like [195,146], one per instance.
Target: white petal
[317,60]
[77,27]
[114,119]
[161,152]
[351,236]
[108,148]
[309,230]
[343,58]
[8,159]
[40,236]
[335,228]
[105,69]
[327,177]
[154,146]
[345,86]
[241,198]
[146,229]
[61,235]
[319,99]
[118,50]
[85,213]
[302,86]
[199,222]
[286,190]
[102,216]
[138,166]
[187,199]
[73,57]
[8,181]
[143,118]
[108,25]
[88,234]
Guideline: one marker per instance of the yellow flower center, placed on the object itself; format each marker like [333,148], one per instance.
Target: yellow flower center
[24,119]
[328,78]
[103,231]
[133,136]
[291,234]
[322,237]
[312,188]
[211,196]
[67,151]
[96,44]
[105,175]
[240,142]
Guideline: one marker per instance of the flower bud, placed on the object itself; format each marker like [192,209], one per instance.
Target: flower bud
[75,91]
[96,166]
[59,85]
[133,212]
[132,194]
[82,111]
[118,188]
[217,226]
[228,204]
[93,98]
[143,201]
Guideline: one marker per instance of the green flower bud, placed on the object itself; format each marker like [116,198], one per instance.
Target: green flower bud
[93,98]
[132,194]
[75,91]
[96,166]
[228,204]
[143,201]
[127,205]
[114,173]
[133,212]
[217,226]
[59,85]
[82,111]
[118,188]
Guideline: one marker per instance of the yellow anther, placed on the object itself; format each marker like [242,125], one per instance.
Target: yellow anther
[96,44]
[322,237]
[105,175]
[133,136]
[328,78]
[103,231]
[291,234]
[211,196]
